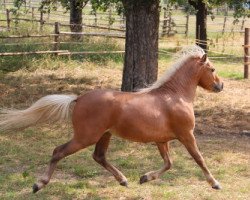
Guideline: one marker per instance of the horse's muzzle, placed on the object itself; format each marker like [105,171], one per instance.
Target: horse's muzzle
[218,87]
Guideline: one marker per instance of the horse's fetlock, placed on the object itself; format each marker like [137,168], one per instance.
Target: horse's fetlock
[169,166]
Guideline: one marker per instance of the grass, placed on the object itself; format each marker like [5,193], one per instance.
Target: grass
[24,155]
[79,177]
[8,64]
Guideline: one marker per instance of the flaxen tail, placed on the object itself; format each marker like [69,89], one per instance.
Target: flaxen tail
[50,108]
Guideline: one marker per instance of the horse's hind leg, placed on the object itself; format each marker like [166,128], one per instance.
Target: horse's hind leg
[58,153]
[99,156]
[164,151]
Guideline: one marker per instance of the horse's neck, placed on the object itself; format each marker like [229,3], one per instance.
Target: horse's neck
[183,82]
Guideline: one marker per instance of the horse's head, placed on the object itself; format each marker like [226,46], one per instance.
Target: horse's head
[208,78]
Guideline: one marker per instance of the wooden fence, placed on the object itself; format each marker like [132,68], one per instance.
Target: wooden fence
[247,53]
[56,41]
[110,20]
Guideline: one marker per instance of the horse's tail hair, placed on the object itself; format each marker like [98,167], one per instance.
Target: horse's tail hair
[50,108]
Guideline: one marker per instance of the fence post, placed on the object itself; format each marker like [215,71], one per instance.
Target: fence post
[48,17]
[4,4]
[224,25]
[8,18]
[25,4]
[243,23]
[217,42]
[187,22]
[57,35]
[95,13]
[41,21]
[246,48]
[169,21]
[122,21]
[32,12]
[165,21]
[110,17]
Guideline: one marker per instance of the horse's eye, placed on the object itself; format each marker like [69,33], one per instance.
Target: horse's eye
[212,69]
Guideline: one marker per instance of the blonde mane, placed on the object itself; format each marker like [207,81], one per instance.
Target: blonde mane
[181,57]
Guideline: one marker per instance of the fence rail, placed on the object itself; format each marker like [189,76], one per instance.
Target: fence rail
[60,53]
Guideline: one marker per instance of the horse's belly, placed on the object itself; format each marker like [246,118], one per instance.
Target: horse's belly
[143,133]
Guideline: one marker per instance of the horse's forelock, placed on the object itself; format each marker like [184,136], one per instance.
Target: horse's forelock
[189,51]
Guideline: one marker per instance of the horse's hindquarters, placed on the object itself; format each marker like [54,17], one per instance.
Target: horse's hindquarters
[92,115]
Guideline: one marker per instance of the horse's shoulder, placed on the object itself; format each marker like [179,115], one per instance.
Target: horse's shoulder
[182,110]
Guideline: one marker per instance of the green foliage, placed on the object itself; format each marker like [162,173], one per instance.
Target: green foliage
[48,5]
[240,7]
[187,7]
[105,4]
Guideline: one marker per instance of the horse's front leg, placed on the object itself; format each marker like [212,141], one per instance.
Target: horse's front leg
[164,151]
[188,140]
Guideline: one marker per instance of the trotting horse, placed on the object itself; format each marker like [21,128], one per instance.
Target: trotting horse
[160,113]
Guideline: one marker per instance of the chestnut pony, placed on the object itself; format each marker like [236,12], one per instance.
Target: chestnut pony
[160,113]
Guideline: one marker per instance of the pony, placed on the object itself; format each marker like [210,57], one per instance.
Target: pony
[160,113]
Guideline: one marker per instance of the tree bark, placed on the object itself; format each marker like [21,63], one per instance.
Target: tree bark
[76,17]
[201,22]
[141,48]
[201,25]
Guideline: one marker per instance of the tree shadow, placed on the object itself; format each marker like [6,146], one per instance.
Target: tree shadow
[222,119]
[19,89]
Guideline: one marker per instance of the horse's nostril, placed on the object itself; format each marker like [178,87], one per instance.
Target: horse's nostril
[222,85]
[218,87]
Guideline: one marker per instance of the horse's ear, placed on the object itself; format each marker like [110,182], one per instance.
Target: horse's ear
[204,58]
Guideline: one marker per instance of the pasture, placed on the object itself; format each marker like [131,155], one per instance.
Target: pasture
[222,127]
[221,124]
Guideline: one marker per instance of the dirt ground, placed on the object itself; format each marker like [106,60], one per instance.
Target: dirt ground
[227,112]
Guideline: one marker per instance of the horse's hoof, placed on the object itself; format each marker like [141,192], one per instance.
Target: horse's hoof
[143,179]
[217,187]
[35,188]
[124,183]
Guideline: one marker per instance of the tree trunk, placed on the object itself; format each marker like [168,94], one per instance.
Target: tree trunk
[201,22]
[141,49]
[201,25]
[76,18]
